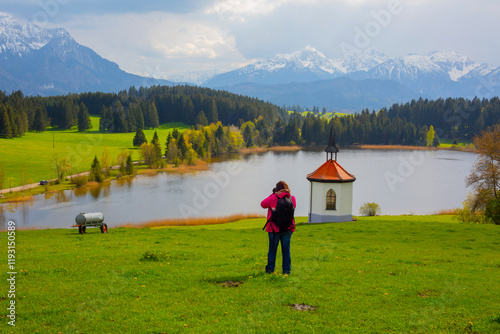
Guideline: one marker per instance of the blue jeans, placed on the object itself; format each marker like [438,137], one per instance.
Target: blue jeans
[274,240]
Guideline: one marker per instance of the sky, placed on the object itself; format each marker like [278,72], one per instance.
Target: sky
[162,38]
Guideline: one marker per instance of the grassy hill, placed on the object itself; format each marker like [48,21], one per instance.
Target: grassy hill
[35,151]
[411,274]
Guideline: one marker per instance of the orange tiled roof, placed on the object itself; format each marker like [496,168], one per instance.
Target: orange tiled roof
[331,171]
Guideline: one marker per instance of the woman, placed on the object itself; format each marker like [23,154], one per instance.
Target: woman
[275,236]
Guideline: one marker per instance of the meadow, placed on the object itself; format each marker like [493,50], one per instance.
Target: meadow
[34,152]
[387,274]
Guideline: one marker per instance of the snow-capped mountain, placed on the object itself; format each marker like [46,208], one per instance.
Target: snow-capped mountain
[433,75]
[363,61]
[437,74]
[304,65]
[18,39]
[49,62]
[195,77]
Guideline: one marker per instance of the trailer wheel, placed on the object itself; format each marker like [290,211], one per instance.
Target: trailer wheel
[104,228]
[80,229]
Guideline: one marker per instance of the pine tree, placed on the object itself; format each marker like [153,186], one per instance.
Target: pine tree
[212,114]
[95,171]
[175,133]
[181,145]
[129,166]
[187,110]
[201,119]
[83,118]
[435,141]
[106,121]
[40,120]
[119,118]
[151,117]
[69,113]
[219,132]
[5,128]
[139,138]
[167,143]
[12,121]
[156,142]
[139,118]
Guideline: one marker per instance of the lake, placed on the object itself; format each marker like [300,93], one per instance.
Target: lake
[401,182]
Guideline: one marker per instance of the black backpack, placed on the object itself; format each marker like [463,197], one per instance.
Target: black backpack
[282,217]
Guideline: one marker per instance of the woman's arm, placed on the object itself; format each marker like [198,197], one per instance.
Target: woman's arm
[269,202]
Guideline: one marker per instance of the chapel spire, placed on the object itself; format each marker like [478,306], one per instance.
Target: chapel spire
[332,146]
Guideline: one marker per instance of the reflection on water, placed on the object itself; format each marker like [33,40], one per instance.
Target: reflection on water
[100,189]
[14,207]
[125,182]
[219,193]
[80,191]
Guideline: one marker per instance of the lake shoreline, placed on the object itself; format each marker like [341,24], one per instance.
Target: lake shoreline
[201,165]
[229,219]
[412,148]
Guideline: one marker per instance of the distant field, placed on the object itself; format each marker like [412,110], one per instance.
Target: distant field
[388,274]
[328,115]
[35,151]
[449,143]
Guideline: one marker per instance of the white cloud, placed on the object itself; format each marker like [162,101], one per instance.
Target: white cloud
[157,43]
[176,38]
[226,34]
[240,10]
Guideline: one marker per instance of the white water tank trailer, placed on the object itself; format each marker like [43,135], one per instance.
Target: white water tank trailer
[90,219]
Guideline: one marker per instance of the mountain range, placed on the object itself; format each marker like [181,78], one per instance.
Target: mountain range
[46,62]
[370,79]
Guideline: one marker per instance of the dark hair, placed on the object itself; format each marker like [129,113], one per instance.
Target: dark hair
[282,185]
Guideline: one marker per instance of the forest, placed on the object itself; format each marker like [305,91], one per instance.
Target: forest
[260,123]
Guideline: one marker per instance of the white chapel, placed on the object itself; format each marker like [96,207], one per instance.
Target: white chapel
[330,195]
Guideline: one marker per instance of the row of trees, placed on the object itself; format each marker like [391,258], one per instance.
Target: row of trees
[100,170]
[190,145]
[260,123]
[129,110]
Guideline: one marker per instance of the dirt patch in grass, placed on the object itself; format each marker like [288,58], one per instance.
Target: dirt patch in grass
[427,293]
[303,307]
[231,284]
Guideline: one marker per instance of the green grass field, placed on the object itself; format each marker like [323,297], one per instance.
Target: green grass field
[448,143]
[36,151]
[328,115]
[388,274]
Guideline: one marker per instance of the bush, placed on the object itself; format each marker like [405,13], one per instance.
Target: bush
[79,180]
[471,211]
[370,209]
[465,215]
[492,211]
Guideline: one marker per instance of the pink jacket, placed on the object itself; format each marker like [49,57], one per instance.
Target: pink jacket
[269,203]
